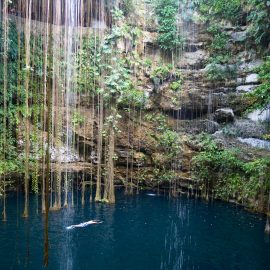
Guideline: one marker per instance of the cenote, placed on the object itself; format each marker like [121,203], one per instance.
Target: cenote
[102,101]
[138,232]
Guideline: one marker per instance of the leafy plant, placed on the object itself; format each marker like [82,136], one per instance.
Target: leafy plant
[169,140]
[176,86]
[218,9]
[260,97]
[259,17]
[168,38]
[158,119]
[162,72]
[217,72]
[135,97]
[8,146]
[221,172]
[77,119]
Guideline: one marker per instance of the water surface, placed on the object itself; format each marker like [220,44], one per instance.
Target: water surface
[138,232]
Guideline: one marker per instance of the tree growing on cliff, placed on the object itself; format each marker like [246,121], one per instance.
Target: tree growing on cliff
[110,80]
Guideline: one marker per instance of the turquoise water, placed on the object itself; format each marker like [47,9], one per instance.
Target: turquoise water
[139,232]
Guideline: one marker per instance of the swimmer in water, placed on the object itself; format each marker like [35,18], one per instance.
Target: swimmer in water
[82,225]
[151,194]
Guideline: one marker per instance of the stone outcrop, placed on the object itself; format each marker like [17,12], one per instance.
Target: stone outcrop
[246,128]
[224,115]
[252,78]
[240,36]
[245,88]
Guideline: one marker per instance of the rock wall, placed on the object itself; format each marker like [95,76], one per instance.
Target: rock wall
[198,105]
[202,105]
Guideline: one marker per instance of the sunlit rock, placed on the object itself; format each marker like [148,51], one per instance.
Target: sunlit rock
[252,78]
[245,88]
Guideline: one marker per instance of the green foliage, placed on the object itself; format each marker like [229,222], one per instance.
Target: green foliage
[227,176]
[133,96]
[104,69]
[127,6]
[169,38]
[112,120]
[117,81]
[215,12]
[250,182]
[167,143]
[162,72]
[11,163]
[218,9]
[148,63]
[88,65]
[163,175]
[205,142]
[219,46]
[266,137]
[10,166]
[217,72]
[235,11]
[77,119]
[259,17]
[117,14]
[120,30]
[169,140]
[158,119]
[219,67]
[212,165]
[176,86]
[119,86]
[260,97]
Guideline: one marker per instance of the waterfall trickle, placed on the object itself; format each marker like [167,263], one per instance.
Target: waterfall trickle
[260,115]
[71,18]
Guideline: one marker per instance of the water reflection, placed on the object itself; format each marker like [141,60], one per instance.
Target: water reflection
[138,232]
[176,238]
[67,256]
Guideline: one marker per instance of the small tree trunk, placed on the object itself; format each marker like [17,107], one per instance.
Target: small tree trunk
[267,226]
[99,150]
[261,194]
[110,167]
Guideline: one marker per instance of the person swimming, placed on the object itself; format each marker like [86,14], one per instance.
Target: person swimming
[84,224]
[151,194]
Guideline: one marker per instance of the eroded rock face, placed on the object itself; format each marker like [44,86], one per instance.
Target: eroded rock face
[200,94]
[64,155]
[240,36]
[197,127]
[194,59]
[200,105]
[224,115]
[246,128]
[250,66]
[245,88]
